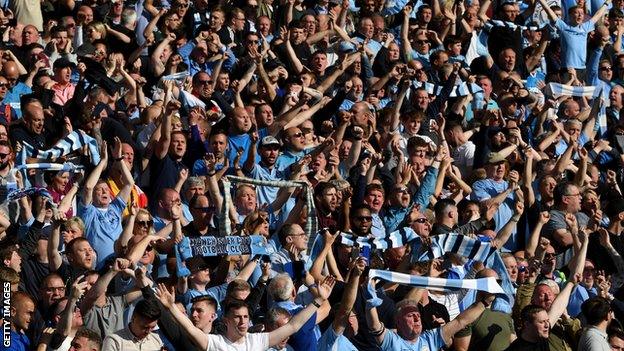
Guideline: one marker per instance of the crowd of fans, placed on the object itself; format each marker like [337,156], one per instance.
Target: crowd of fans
[129,128]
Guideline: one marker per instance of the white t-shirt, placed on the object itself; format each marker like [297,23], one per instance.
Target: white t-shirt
[253,342]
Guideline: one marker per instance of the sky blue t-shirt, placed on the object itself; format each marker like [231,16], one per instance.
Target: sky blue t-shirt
[266,194]
[13,96]
[574,43]
[488,188]
[103,227]
[330,341]
[430,340]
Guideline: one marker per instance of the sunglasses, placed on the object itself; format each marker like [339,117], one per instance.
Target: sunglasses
[205,82]
[204,209]
[3,156]
[297,135]
[149,248]
[4,85]
[549,255]
[422,42]
[365,218]
[145,223]
[421,220]
[606,68]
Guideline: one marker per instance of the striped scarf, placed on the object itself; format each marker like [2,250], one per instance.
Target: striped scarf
[557,90]
[498,23]
[54,167]
[311,223]
[72,142]
[462,89]
[438,284]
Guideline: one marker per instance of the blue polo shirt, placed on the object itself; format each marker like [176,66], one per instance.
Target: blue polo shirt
[103,227]
[430,340]
[19,342]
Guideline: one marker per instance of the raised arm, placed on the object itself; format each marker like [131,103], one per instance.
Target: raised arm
[349,295]
[126,176]
[296,322]
[78,288]
[561,301]
[167,299]
[94,177]
[162,145]
[54,257]
[465,318]
[292,56]
[600,13]
[99,288]
[551,14]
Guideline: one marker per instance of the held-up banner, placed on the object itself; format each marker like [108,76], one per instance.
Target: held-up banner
[228,245]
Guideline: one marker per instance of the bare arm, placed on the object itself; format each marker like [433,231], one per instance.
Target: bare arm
[297,321]
[87,194]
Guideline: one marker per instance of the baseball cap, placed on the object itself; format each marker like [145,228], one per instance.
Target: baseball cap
[62,63]
[269,140]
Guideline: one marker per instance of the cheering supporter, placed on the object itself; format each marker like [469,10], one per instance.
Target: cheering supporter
[312,175]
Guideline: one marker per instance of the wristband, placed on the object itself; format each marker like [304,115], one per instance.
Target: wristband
[211,174]
[318,305]
[312,286]
[119,159]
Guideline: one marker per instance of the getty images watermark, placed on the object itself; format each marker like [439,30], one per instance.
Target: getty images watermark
[6,314]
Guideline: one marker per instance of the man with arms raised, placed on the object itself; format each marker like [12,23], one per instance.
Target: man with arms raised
[236,319]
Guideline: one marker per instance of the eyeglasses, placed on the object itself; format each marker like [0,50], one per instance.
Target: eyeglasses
[606,68]
[364,218]
[145,223]
[3,156]
[205,82]
[55,288]
[4,85]
[574,195]
[401,190]
[70,25]
[297,135]
[421,220]
[549,255]
[253,41]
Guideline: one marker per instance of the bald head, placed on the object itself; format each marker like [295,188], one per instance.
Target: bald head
[487,273]
[9,70]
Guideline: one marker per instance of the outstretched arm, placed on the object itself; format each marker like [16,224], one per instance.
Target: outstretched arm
[167,299]
[295,323]
[89,185]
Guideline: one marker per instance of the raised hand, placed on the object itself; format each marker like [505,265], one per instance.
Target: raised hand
[78,288]
[165,296]
[325,288]
[544,217]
